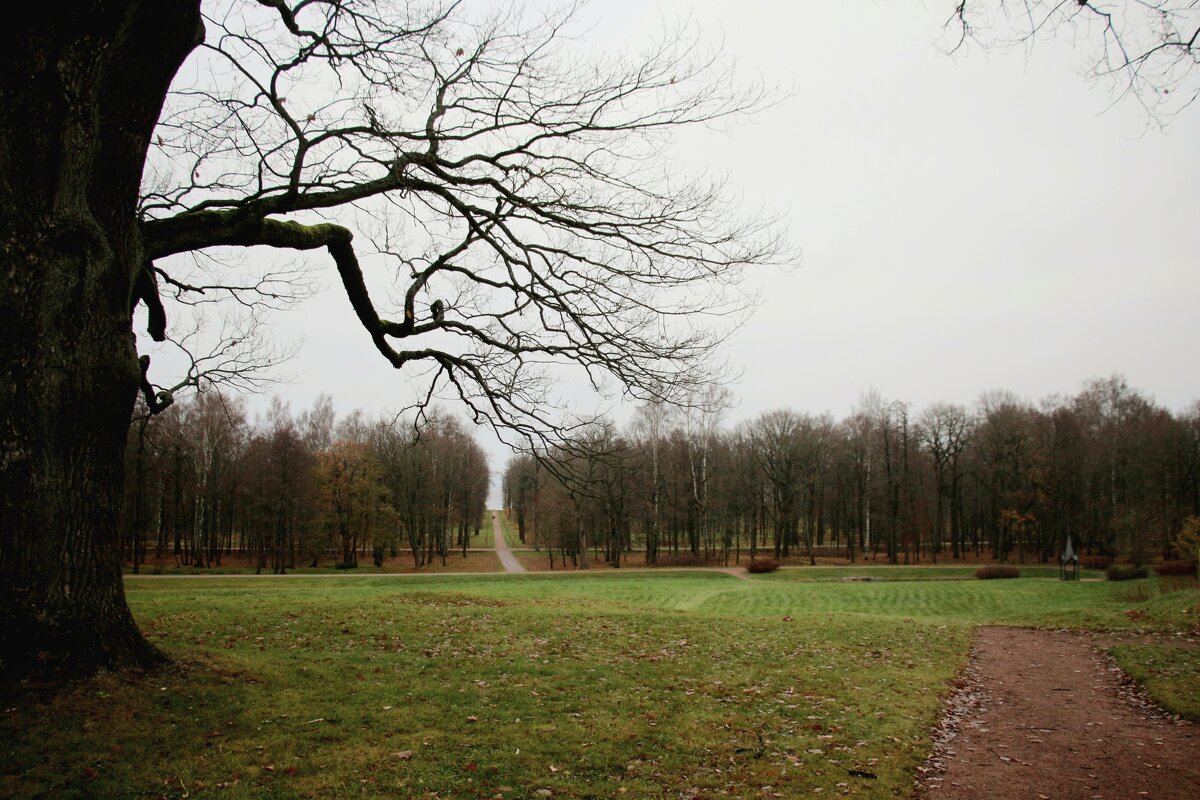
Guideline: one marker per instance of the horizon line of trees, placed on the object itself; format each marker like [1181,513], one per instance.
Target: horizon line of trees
[1006,479]
[204,483]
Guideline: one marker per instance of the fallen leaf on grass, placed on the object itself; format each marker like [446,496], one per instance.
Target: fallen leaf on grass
[404,755]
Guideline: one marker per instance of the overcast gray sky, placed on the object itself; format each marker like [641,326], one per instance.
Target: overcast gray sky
[967,223]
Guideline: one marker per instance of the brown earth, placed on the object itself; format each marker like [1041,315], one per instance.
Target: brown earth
[1044,714]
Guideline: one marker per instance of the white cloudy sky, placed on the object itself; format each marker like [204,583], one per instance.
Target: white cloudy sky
[966,223]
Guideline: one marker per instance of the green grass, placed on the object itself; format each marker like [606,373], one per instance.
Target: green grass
[586,685]
[1171,675]
[1026,601]
[484,537]
[918,573]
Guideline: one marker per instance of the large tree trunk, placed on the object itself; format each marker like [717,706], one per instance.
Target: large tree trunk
[82,87]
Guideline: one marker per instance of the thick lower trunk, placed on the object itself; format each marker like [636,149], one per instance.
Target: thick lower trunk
[80,90]
[64,419]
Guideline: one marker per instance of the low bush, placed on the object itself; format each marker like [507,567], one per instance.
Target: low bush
[1122,572]
[1095,562]
[762,565]
[1175,568]
[993,571]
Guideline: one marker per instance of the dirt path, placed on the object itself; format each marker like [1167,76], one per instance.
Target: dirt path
[1043,715]
[503,552]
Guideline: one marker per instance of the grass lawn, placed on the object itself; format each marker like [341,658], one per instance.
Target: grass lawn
[917,573]
[1170,674]
[484,537]
[603,685]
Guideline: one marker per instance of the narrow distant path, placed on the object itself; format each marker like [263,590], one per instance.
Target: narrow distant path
[1042,714]
[502,550]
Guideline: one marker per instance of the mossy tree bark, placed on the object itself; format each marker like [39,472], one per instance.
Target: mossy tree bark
[82,86]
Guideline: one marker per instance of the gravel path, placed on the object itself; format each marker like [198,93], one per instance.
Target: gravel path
[1042,714]
[502,550]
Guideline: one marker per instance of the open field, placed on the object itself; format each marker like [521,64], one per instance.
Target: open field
[636,684]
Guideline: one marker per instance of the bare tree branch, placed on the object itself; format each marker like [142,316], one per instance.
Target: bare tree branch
[1146,50]
[518,194]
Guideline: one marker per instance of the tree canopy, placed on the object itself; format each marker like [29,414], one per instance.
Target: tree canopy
[497,203]
[513,199]
[1146,51]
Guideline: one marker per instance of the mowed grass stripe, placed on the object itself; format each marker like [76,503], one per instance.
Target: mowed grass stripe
[910,573]
[1024,601]
[663,685]
[312,690]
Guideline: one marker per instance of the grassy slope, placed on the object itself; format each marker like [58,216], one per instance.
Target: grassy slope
[1171,675]
[664,685]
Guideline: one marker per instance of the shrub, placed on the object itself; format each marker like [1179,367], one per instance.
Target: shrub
[1188,540]
[1175,568]
[1095,562]
[993,571]
[1118,572]
[762,565]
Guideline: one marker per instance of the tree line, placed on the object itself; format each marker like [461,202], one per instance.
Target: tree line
[204,483]
[515,186]
[1004,479]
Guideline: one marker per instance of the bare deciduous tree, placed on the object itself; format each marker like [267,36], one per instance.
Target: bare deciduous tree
[512,195]
[1146,50]
[517,201]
